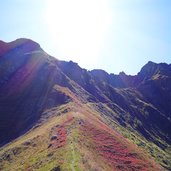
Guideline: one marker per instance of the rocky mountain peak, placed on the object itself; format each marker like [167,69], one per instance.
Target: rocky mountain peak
[151,69]
[26,45]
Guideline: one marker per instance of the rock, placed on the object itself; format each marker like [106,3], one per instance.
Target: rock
[56,168]
[54,137]
[50,154]
[26,143]
[49,145]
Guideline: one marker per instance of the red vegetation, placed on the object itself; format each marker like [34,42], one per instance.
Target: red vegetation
[59,137]
[59,134]
[117,153]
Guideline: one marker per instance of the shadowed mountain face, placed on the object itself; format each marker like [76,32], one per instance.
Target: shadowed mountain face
[34,85]
[27,77]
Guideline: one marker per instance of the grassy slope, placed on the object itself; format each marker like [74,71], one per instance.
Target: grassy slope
[161,156]
[74,137]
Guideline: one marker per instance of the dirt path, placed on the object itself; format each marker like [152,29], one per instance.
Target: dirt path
[73,158]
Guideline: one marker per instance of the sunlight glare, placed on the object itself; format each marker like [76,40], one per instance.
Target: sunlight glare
[78,28]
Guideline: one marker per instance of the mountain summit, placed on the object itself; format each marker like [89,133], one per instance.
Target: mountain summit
[54,115]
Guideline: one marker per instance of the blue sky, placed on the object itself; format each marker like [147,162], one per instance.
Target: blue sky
[114,35]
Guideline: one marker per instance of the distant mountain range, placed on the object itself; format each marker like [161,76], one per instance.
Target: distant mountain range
[55,115]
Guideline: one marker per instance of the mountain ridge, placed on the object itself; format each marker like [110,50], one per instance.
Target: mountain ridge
[22,41]
[35,85]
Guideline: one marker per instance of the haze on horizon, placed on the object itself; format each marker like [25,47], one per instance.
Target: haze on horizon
[112,35]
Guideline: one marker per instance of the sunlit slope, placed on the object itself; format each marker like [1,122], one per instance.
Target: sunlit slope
[74,137]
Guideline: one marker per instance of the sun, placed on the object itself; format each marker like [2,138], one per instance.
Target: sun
[78,28]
